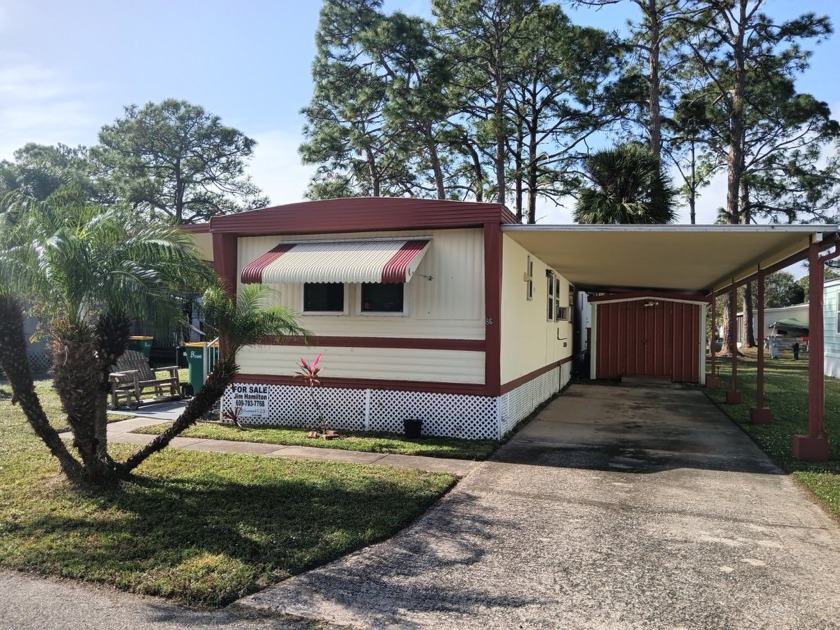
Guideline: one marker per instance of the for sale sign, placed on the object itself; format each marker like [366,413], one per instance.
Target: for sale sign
[251,400]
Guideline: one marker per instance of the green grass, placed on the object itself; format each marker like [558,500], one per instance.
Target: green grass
[200,528]
[349,441]
[786,394]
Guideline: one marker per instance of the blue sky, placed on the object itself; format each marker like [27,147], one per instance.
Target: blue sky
[68,67]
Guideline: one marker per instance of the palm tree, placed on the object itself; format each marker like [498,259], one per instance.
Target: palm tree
[84,269]
[629,187]
[239,321]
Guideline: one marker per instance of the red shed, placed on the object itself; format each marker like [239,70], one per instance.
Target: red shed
[648,335]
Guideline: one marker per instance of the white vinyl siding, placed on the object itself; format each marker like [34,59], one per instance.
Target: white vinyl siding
[831,321]
[389,364]
[529,342]
[445,297]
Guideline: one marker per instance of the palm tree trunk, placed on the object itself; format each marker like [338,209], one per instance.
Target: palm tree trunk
[217,382]
[14,362]
[112,332]
[77,377]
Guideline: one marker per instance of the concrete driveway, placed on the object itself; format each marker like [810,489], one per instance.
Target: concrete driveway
[618,507]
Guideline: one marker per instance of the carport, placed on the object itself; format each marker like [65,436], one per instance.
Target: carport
[656,267]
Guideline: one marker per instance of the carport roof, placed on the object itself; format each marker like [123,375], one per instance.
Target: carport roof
[685,258]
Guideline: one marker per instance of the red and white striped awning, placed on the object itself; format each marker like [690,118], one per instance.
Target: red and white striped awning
[374,260]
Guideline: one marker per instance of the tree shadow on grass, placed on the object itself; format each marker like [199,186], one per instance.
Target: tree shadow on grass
[211,540]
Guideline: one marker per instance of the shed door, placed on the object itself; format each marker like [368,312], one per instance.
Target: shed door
[648,338]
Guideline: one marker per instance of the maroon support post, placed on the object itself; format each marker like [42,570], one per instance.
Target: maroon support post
[813,447]
[712,380]
[733,396]
[760,414]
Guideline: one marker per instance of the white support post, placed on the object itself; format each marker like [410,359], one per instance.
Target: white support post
[367,410]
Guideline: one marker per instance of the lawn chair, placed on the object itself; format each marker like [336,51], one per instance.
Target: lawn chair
[134,378]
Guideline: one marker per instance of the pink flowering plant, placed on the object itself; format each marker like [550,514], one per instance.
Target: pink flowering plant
[309,373]
[233,416]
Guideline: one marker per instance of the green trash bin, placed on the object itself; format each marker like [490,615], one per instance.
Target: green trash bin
[194,352]
[195,362]
[141,343]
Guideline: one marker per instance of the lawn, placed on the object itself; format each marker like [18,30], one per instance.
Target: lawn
[201,528]
[349,441]
[786,394]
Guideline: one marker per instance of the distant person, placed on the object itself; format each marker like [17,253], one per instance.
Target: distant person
[774,347]
[795,348]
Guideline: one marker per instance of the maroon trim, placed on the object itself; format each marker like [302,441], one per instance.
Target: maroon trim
[815,445]
[409,386]
[253,272]
[225,260]
[653,295]
[493,308]
[361,214]
[395,270]
[366,383]
[530,376]
[411,343]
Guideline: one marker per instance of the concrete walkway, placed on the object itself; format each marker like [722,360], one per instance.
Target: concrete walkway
[619,507]
[121,432]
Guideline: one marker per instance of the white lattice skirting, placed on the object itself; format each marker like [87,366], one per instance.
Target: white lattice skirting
[450,415]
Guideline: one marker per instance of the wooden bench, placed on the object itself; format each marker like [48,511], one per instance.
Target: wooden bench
[134,378]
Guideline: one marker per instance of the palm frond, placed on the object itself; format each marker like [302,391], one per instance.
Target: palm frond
[246,320]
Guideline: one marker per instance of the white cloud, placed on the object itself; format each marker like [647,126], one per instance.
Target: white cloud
[276,167]
[38,104]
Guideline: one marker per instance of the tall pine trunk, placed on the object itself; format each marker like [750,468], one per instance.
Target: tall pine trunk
[748,332]
[735,158]
[655,127]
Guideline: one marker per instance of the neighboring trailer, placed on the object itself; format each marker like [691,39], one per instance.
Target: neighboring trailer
[831,324]
[798,312]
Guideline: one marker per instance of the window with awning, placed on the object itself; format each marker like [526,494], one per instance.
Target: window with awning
[387,261]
